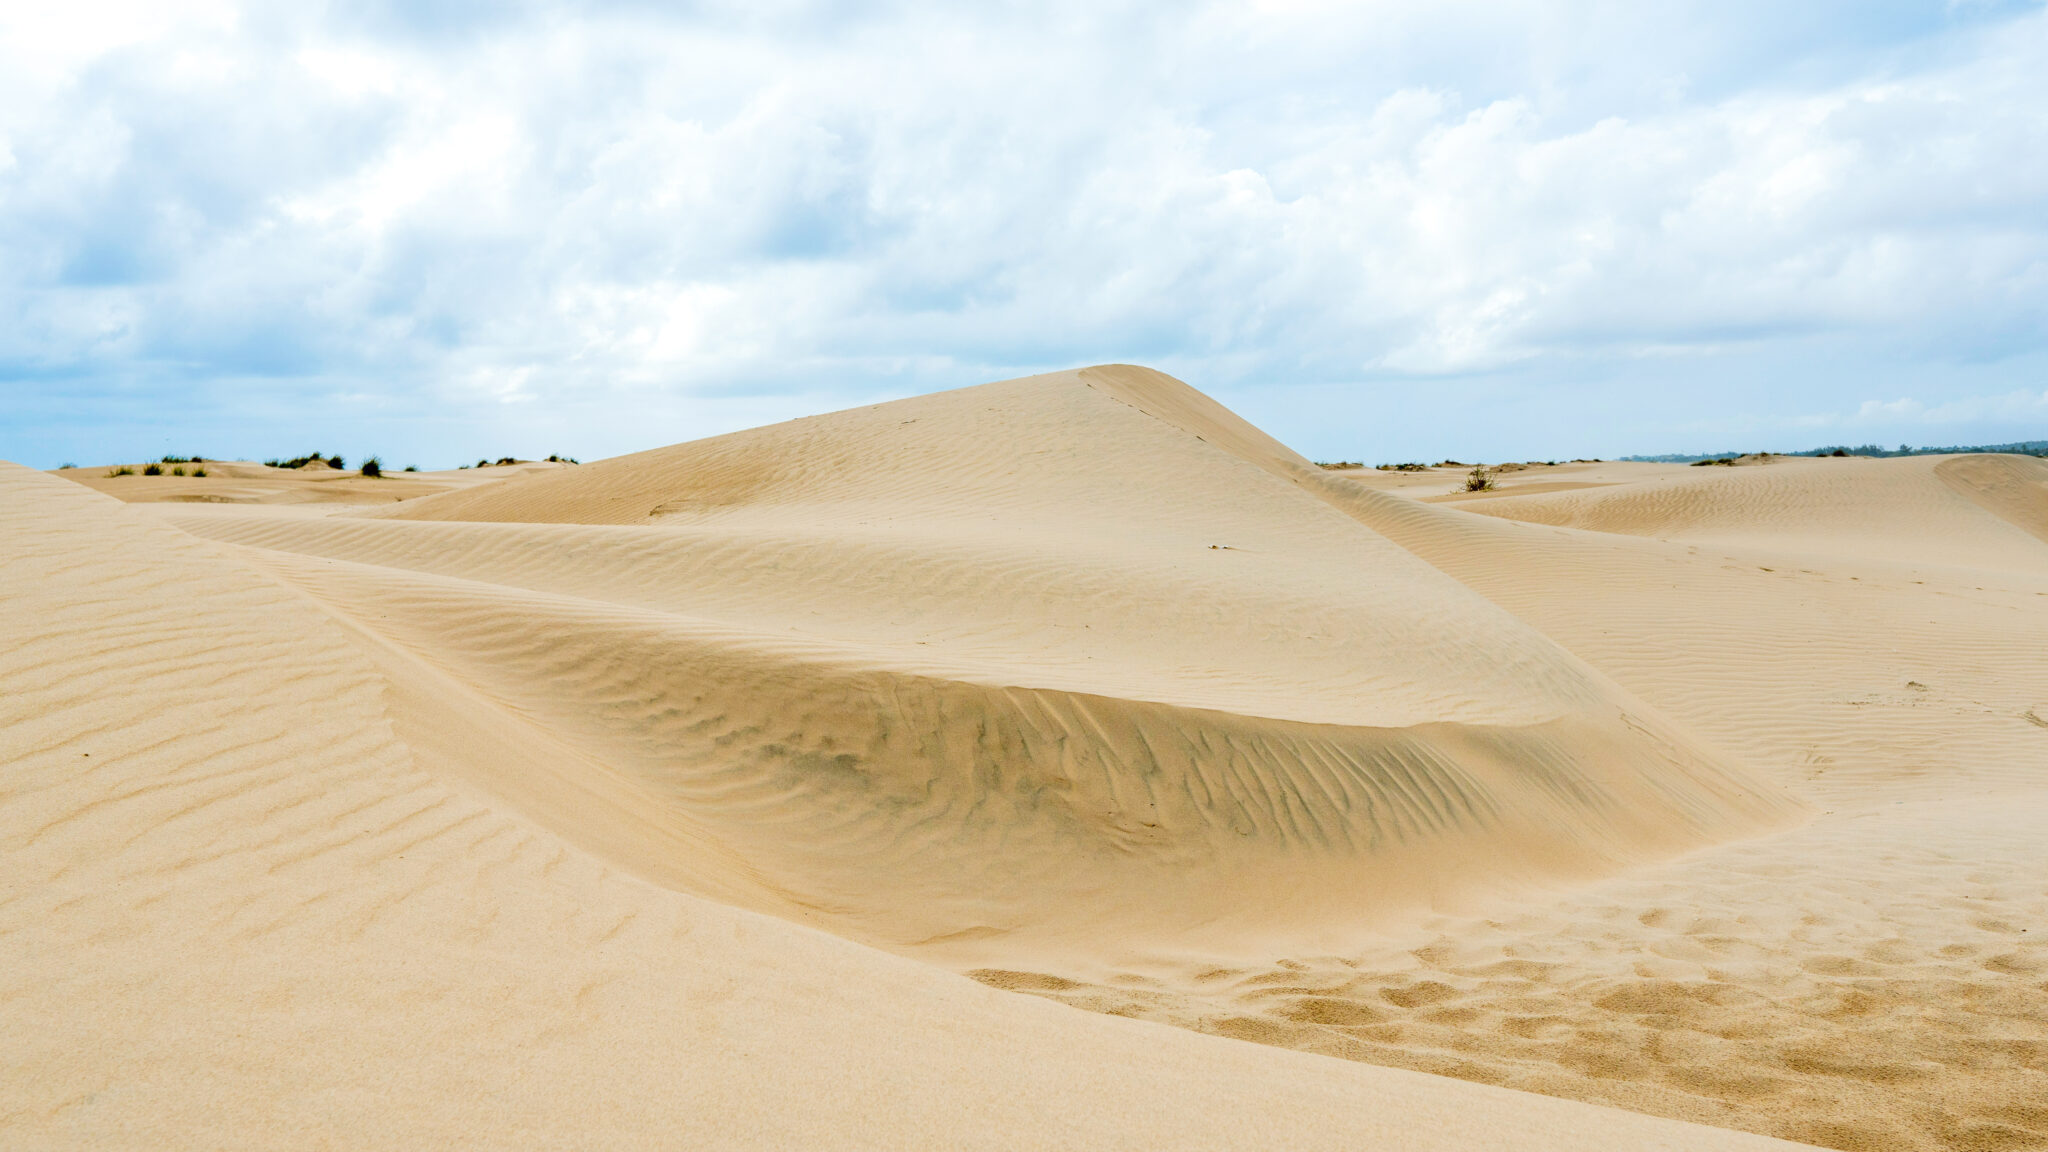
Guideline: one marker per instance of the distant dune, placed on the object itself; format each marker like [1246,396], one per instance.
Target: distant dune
[595,805]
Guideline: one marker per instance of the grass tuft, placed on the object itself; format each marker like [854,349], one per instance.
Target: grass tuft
[152,469]
[1480,479]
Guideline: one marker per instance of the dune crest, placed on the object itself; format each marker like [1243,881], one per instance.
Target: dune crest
[1076,662]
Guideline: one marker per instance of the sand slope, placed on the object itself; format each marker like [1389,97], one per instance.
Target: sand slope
[1877,978]
[1986,507]
[241,909]
[1074,663]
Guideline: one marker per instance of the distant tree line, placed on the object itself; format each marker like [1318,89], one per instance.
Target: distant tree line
[2017,448]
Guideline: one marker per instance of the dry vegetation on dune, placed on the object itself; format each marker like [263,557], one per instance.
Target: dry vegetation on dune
[1709,794]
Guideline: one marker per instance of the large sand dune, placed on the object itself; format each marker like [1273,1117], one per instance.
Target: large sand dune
[453,820]
[1018,666]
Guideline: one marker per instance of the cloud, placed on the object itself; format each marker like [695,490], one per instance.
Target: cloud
[2020,407]
[547,208]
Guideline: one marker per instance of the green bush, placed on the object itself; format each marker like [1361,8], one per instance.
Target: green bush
[152,470]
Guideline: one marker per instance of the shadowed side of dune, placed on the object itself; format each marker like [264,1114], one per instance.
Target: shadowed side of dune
[2013,488]
[905,807]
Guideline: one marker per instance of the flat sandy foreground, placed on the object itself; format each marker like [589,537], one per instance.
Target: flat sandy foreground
[730,794]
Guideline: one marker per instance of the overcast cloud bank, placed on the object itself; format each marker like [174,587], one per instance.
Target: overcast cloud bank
[1382,230]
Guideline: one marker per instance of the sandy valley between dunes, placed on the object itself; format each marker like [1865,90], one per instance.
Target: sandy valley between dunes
[730,794]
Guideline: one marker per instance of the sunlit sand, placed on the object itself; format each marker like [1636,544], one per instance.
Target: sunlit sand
[774,789]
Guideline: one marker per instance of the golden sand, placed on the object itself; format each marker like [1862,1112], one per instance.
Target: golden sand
[665,799]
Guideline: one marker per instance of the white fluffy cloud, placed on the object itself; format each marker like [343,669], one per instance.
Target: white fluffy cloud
[1507,228]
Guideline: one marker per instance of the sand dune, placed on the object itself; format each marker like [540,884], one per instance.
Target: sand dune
[239,914]
[1065,663]
[1987,507]
[1873,979]
[454,820]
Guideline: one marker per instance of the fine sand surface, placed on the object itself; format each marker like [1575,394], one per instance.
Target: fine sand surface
[649,801]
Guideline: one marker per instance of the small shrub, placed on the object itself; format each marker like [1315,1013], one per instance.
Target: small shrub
[1453,464]
[152,469]
[483,463]
[336,462]
[178,470]
[123,470]
[1480,479]
[199,471]
[1726,460]
[66,466]
[507,460]
[373,467]
[412,467]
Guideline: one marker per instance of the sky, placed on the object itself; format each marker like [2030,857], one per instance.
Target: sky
[1381,229]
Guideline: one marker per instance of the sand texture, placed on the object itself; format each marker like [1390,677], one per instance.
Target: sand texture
[664,799]
[1869,633]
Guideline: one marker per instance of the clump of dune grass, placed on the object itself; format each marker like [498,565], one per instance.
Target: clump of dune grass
[152,469]
[373,467]
[1480,479]
[178,470]
[123,470]
[335,461]
[199,472]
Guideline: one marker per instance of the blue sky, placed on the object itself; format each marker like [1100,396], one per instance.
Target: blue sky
[1381,229]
